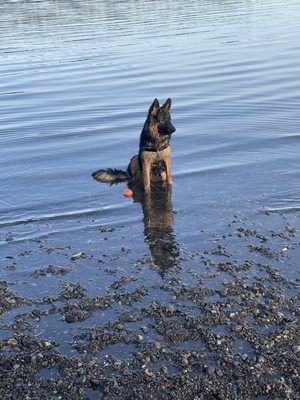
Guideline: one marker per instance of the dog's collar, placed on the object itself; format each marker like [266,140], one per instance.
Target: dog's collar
[154,149]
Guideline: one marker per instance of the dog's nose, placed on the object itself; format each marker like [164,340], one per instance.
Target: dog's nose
[172,129]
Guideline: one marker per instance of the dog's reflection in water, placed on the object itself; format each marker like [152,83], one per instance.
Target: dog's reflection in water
[158,226]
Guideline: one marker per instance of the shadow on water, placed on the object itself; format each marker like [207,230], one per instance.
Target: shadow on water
[158,226]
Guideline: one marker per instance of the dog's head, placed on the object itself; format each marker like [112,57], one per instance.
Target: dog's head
[161,117]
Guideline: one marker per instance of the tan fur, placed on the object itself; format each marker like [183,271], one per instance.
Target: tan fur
[152,170]
[156,156]
[154,132]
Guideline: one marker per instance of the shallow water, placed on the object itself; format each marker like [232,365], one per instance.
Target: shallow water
[77,78]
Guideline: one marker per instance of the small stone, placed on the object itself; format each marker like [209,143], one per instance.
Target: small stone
[157,345]
[9,300]
[185,361]
[149,373]
[95,383]
[145,328]
[211,370]
[12,342]
[78,255]
[69,317]
[296,348]
[238,328]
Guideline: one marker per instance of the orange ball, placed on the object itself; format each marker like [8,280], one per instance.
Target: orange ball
[127,193]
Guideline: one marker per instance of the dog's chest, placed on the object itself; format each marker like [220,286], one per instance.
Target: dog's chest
[156,156]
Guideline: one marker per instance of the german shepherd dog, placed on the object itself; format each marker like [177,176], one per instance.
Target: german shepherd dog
[152,163]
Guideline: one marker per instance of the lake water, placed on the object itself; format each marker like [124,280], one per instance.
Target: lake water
[77,78]
[76,81]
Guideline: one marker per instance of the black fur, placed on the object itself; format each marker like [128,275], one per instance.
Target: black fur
[110,175]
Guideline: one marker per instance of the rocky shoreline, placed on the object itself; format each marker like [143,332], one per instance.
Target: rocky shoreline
[219,326]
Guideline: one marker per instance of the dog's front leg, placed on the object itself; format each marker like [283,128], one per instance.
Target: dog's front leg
[168,170]
[146,174]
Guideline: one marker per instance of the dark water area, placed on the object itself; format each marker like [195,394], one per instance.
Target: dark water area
[76,81]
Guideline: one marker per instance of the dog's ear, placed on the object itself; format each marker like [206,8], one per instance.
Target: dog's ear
[167,105]
[153,110]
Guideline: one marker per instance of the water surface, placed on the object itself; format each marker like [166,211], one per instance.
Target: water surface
[76,81]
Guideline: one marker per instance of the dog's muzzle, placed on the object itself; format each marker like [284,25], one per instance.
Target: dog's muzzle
[167,129]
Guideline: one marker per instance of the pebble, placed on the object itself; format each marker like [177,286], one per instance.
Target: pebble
[157,345]
[12,342]
[145,329]
[296,348]
[9,300]
[149,373]
[192,330]
[69,317]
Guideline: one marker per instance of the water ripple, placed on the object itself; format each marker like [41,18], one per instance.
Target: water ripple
[77,79]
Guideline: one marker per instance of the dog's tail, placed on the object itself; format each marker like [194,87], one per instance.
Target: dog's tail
[110,175]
